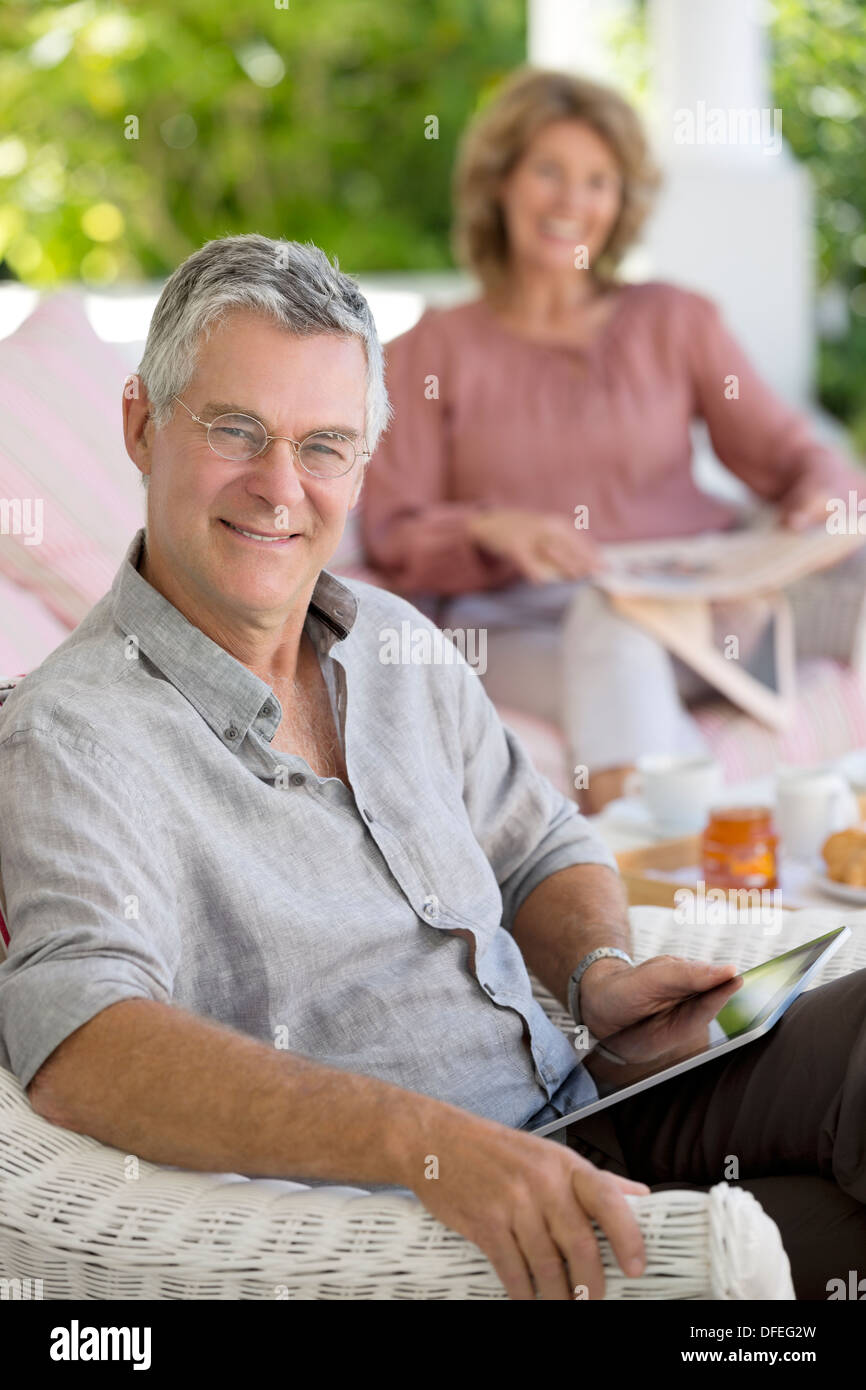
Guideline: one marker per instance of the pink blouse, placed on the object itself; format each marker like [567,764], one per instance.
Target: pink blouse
[484,417]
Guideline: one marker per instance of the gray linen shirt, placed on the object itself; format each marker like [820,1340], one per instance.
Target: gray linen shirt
[153,845]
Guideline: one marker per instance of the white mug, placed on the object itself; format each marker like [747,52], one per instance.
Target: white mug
[810,805]
[678,791]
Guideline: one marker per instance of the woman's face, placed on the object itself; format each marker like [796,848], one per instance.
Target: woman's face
[564,193]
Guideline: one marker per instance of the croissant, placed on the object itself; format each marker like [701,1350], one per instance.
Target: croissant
[845,856]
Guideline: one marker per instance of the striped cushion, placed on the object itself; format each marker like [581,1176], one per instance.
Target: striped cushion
[6,684]
[28,630]
[829,720]
[61,444]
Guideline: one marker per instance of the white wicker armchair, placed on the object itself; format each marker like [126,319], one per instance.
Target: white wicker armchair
[73,1215]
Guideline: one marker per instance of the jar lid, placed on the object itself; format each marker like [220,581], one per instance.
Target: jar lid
[737,823]
[741,813]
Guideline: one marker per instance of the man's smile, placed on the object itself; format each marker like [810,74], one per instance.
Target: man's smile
[256,537]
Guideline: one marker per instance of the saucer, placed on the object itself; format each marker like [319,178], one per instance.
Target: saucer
[848,892]
[632,813]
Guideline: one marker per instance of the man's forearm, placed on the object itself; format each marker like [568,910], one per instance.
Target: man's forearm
[565,917]
[156,1081]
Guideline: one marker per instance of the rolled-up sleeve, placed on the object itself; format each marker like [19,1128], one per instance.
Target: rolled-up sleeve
[526,827]
[89,905]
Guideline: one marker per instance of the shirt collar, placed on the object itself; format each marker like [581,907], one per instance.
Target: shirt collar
[224,691]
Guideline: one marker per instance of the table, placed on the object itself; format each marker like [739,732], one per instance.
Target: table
[624,825]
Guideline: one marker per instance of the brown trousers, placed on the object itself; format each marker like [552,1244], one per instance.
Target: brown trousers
[789,1108]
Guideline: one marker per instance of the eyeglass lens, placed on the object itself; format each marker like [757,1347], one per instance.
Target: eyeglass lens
[240,437]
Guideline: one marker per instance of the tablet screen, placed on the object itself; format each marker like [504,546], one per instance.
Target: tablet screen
[705,1022]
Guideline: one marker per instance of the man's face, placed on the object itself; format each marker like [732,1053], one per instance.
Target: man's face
[293,386]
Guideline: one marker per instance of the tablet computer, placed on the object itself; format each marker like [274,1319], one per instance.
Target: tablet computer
[699,1028]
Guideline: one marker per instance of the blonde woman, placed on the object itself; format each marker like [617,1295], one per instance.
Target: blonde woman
[561,387]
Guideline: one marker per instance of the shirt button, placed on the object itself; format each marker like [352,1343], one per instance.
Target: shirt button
[267,710]
[490,990]
[230,732]
[368,814]
[297,779]
[430,907]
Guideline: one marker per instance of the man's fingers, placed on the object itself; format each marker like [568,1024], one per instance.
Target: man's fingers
[605,1202]
[546,1260]
[674,975]
[631,1186]
[506,1257]
[572,1233]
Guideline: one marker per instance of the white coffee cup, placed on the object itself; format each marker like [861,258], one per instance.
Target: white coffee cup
[812,803]
[678,791]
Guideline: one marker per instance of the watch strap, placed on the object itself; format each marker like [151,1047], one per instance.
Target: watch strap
[577,974]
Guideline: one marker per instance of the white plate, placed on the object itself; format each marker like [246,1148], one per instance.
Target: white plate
[848,892]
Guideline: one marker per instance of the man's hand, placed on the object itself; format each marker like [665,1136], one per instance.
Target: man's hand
[614,995]
[526,1202]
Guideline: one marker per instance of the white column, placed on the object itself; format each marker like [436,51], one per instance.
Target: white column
[574,35]
[710,51]
[735,218]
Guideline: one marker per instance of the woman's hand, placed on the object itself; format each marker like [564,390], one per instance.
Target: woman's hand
[544,546]
[804,505]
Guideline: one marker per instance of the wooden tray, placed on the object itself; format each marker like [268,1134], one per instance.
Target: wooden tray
[666,855]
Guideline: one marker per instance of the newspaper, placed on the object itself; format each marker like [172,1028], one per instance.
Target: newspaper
[758,558]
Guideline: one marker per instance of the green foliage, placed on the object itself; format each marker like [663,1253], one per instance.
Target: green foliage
[305,122]
[819,82]
[309,122]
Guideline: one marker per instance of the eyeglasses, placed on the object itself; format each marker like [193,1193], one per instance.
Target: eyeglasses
[323,454]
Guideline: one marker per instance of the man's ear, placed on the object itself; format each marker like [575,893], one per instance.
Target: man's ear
[137,422]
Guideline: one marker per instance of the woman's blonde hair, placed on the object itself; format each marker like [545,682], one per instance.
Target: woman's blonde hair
[500,134]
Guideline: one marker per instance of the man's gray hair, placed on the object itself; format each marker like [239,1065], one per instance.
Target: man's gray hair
[293,285]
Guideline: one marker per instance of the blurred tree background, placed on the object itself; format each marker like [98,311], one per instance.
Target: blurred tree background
[130,135]
[305,122]
[819,82]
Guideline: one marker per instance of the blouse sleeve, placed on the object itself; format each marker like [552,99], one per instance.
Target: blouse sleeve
[767,443]
[413,530]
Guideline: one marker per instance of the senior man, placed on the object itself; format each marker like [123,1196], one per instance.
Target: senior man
[272,899]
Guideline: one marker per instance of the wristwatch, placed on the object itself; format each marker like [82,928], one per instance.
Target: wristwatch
[592,1044]
[576,975]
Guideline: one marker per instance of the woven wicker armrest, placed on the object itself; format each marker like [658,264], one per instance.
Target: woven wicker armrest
[81,1218]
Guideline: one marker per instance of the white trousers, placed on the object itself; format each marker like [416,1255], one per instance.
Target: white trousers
[562,653]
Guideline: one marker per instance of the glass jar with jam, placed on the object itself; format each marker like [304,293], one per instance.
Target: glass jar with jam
[738,848]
